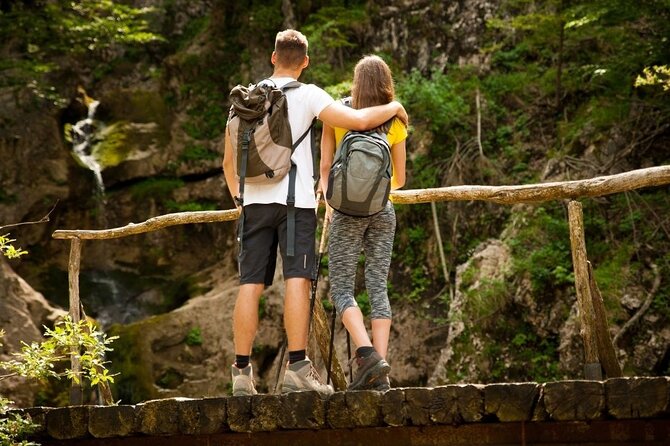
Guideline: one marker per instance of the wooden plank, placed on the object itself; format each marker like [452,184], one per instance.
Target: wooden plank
[576,220]
[574,400]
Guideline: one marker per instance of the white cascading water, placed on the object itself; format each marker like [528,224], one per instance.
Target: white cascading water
[82,133]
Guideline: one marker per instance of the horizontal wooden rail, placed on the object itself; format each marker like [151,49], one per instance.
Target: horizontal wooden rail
[528,193]
[152,224]
[533,193]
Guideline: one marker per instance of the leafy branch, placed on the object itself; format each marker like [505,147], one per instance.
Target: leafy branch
[38,359]
[8,250]
[13,426]
[656,75]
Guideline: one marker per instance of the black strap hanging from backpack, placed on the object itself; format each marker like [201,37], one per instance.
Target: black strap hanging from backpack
[290,199]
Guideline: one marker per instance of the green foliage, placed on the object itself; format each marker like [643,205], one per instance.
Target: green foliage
[541,249]
[38,359]
[413,257]
[79,27]
[487,299]
[8,250]
[170,379]
[363,301]
[198,152]
[262,306]
[190,206]
[341,90]
[266,16]
[333,32]
[426,172]
[194,28]
[156,188]
[436,100]
[207,119]
[89,30]
[14,427]
[656,75]
[193,337]
[531,357]
[136,380]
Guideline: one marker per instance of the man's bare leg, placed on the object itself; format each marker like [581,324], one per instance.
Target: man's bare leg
[296,313]
[245,317]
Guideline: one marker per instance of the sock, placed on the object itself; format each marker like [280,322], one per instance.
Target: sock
[364,352]
[296,356]
[241,361]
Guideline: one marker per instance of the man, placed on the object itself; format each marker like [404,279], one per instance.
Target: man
[265,213]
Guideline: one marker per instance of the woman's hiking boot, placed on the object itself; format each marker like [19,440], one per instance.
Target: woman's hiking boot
[301,376]
[381,384]
[369,370]
[243,381]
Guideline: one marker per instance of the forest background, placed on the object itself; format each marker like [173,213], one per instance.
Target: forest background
[498,92]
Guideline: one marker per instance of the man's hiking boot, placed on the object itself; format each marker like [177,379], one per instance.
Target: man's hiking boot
[301,376]
[381,384]
[369,370]
[243,381]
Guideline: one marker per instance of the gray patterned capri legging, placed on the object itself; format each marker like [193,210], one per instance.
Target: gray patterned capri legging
[374,237]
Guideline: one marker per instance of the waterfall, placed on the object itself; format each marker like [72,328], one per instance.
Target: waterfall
[112,297]
[82,142]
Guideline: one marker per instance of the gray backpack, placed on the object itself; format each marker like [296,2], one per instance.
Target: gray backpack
[359,182]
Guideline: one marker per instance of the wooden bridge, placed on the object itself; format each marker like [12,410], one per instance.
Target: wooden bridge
[618,411]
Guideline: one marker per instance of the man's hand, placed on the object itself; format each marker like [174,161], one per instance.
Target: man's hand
[402,114]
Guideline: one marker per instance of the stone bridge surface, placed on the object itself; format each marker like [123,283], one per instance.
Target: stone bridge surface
[620,411]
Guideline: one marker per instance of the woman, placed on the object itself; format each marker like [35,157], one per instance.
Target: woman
[372,85]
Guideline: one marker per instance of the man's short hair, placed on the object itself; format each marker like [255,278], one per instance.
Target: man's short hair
[290,48]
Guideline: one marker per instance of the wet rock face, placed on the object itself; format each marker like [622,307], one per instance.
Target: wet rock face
[426,35]
[34,168]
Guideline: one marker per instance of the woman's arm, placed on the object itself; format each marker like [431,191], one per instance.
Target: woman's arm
[398,159]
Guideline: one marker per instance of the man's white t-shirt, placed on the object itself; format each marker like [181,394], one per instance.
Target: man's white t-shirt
[304,104]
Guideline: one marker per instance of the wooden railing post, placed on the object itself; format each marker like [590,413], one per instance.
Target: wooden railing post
[606,351]
[323,334]
[592,368]
[76,394]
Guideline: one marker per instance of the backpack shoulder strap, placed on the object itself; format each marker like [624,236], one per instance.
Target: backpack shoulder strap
[292,84]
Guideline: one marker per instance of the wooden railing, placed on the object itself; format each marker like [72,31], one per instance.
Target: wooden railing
[598,347]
